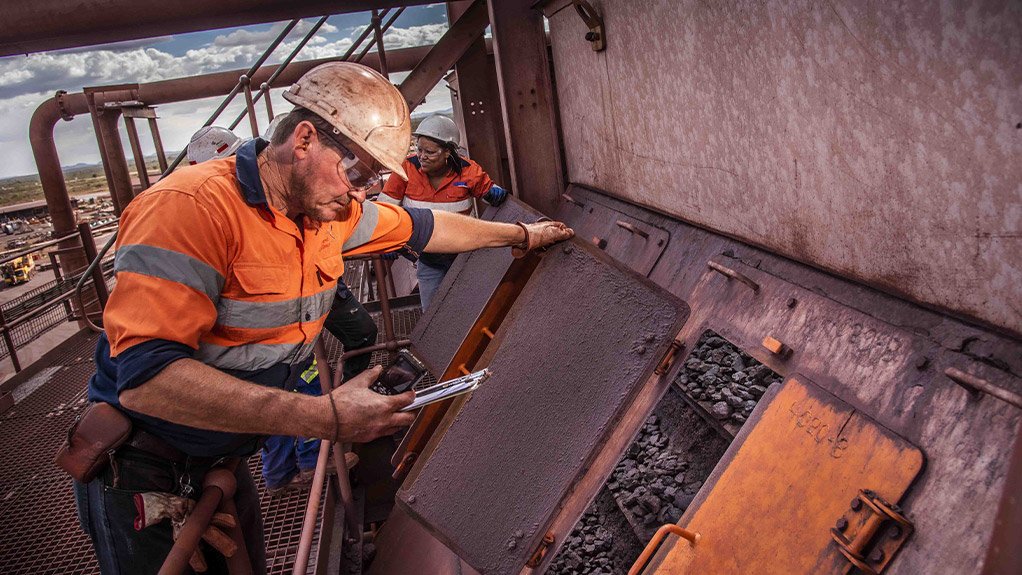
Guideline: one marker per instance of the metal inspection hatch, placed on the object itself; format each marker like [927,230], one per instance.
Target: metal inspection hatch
[811,485]
[585,335]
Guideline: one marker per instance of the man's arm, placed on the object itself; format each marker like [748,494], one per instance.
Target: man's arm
[455,233]
[191,393]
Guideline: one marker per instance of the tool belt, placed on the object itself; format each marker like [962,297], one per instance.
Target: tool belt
[100,430]
[91,440]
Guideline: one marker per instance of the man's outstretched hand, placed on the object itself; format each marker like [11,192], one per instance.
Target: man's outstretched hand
[539,235]
[364,415]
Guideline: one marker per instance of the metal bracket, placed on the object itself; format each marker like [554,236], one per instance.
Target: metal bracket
[872,533]
[64,114]
[594,21]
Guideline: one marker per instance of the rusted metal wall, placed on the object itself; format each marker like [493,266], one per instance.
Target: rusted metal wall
[876,140]
[882,355]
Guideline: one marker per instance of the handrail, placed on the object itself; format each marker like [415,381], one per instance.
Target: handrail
[265,88]
[382,31]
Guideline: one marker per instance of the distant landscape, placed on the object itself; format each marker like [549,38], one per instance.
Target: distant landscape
[82,179]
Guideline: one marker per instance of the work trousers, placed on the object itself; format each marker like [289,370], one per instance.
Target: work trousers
[351,324]
[285,456]
[107,514]
[430,271]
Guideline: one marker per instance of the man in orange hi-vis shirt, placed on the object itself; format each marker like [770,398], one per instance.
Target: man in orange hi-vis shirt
[226,271]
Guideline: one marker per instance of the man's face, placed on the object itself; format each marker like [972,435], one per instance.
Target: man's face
[319,186]
[432,156]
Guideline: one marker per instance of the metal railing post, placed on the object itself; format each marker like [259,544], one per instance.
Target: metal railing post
[250,105]
[99,282]
[161,154]
[381,291]
[9,342]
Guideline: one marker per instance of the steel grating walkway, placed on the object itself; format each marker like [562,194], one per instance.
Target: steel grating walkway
[39,530]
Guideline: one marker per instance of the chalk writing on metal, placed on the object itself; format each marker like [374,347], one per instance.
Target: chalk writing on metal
[818,429]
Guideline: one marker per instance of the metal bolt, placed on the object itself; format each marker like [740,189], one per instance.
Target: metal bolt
[922,362]
[792,302]
[894,532]
[592,36]
[856,504]
[842,524]
[411,499]
[876,556]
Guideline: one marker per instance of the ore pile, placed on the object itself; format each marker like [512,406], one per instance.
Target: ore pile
[727,379]
[651,482]
[602,543]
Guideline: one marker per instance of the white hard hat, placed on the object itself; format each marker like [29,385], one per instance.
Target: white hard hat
[361,105]
[211,143]
[272,127]
[439,128]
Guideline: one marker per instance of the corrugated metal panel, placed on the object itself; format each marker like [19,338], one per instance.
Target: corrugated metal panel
[879,141]
[579,342]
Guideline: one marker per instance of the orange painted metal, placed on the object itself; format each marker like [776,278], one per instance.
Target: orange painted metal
[772,500]
[658,538]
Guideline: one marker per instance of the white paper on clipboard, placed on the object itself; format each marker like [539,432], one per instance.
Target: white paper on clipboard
[448,389]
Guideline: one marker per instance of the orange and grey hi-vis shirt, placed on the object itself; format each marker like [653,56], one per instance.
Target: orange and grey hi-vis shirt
[207,269]
[453,194]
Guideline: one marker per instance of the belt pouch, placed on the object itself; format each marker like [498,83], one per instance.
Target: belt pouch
[97,432]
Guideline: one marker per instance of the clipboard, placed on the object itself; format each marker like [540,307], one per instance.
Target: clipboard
[448,389]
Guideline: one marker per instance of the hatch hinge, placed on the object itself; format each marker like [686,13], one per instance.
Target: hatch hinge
[540,552]
[668,360]
[871,533]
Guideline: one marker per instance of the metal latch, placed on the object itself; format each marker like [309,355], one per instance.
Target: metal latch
[540,552]
[668,358]
[871,533]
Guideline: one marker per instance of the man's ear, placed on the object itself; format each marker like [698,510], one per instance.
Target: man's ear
[303,136]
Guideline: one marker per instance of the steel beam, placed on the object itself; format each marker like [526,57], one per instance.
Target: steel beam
[448,50]
[477,105]
[55,24]
[528,103]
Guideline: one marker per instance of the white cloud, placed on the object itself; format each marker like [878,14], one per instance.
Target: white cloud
[414,36]
[242,37]
[26,81]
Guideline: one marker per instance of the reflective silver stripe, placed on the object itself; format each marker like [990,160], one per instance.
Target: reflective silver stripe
[459,206]
[253,356]
[170,265]
[385,199]
[363,232]
[257,315]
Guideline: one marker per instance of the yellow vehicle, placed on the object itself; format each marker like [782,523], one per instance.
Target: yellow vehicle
[18,271]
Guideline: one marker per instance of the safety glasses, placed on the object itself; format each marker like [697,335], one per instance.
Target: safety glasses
[360,175]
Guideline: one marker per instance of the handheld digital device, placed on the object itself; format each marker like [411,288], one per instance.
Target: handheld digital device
[400,376]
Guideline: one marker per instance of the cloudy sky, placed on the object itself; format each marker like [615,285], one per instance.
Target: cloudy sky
[26,81]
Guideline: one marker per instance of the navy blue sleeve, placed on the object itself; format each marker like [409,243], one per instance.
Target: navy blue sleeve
[422,230]
[140,363]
